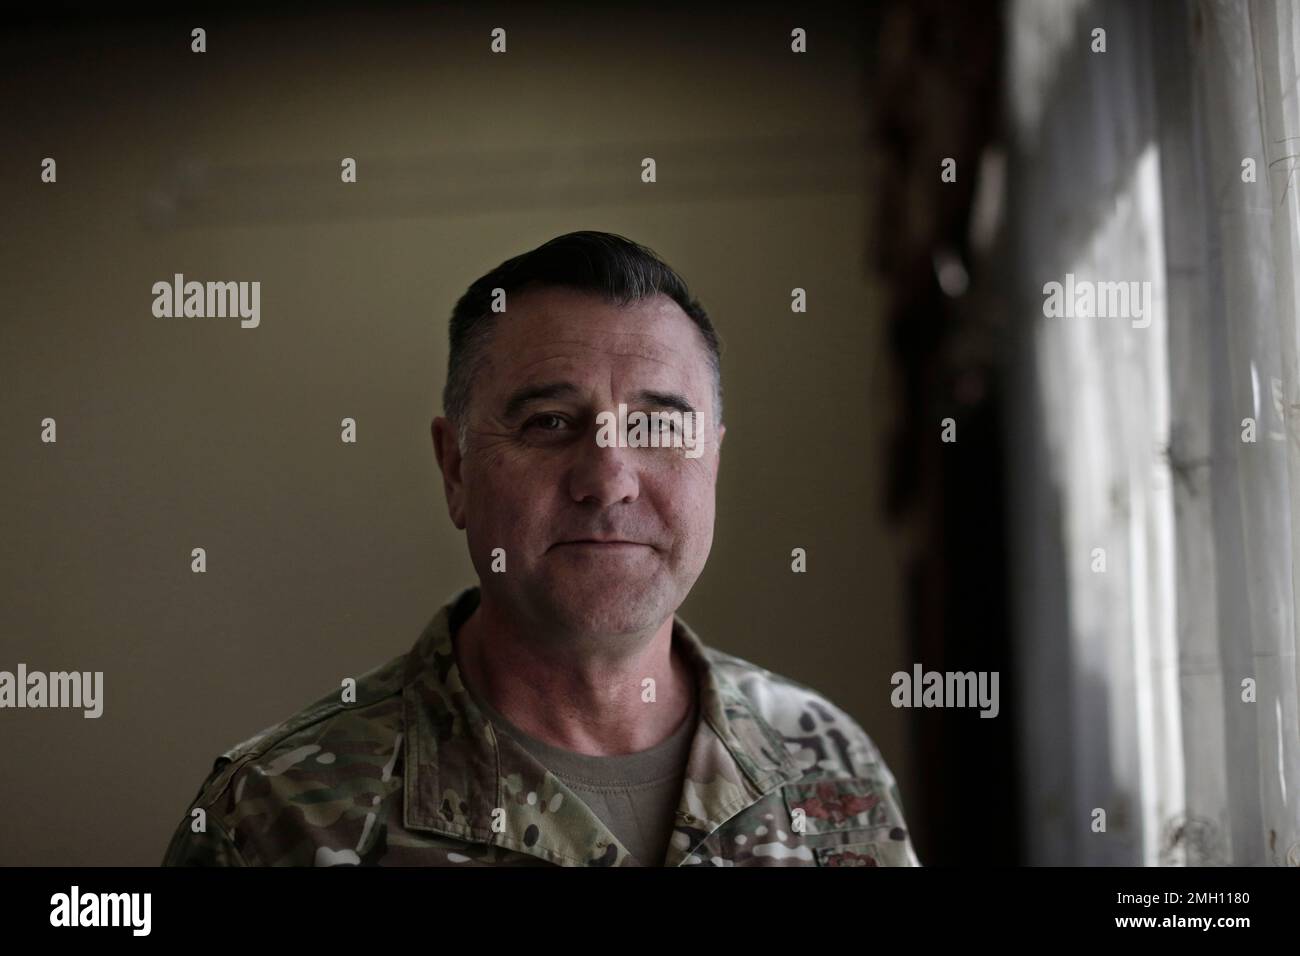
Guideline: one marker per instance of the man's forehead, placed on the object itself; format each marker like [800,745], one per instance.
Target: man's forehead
[549,330]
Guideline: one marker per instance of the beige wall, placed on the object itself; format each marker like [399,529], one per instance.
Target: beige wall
[325,559]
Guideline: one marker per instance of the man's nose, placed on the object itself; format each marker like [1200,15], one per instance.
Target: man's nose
[605,476]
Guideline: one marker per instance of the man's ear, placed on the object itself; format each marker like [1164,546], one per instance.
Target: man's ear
[447,451]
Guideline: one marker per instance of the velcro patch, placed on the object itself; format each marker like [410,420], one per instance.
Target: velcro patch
[830,806]
[854,854]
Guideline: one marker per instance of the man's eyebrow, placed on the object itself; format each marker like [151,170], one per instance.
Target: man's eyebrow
[664,400]
[527,394]
[535,393]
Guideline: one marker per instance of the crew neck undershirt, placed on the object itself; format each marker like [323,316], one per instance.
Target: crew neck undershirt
[635,795]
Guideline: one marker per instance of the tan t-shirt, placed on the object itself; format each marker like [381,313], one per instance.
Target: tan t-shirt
[635,795]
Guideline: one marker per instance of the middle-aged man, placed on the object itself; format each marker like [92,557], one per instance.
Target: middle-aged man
[560,712]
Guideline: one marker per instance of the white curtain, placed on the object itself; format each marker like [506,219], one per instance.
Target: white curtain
[1156,583]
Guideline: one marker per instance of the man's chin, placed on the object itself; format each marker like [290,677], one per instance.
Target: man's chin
[620,610]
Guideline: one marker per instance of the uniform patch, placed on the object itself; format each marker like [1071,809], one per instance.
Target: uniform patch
[833,805]
[884,850]
[855,854]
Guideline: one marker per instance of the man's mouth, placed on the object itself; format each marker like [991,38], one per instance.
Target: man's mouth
[600,543]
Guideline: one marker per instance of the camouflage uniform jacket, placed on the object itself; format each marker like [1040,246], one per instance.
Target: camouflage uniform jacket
[411,772]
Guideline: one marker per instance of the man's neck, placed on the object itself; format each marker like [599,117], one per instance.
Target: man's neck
[562,695]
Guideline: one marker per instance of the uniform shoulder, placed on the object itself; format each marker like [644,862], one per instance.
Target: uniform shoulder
[252,807]
[337,721]
[819,733]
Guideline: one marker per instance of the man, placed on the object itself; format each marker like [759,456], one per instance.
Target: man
[560,712]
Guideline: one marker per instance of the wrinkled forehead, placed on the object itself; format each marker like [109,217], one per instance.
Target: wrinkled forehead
[556,332]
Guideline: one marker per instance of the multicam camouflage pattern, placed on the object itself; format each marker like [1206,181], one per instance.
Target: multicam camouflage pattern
[410,773]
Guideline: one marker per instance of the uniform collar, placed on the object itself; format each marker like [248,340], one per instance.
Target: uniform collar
[458,770]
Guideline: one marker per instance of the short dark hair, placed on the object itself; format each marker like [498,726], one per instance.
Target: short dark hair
[617,269]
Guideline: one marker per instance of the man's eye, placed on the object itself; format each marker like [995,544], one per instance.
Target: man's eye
[547,423]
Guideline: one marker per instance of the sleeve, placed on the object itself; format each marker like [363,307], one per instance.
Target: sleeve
[211,847]
[869,763]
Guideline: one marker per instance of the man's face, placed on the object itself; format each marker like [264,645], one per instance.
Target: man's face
[534,481]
